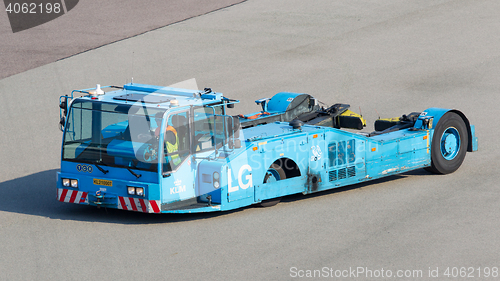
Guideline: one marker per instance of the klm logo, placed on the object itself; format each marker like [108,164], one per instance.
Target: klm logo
[177,189]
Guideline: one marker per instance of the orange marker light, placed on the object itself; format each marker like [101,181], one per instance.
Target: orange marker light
[374,149]
[315,136]
[425,137]
[255,148]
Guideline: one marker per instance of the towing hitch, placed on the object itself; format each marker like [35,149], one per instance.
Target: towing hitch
[101,199]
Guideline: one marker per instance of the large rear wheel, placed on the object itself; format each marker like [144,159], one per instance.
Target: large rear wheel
[449,144]
[274,173]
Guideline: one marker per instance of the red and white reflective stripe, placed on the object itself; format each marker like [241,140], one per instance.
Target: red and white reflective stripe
[154,206]
[72,196]
[138,205]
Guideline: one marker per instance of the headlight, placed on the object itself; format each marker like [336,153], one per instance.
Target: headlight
[131,190]
[139,191]
[216,177]
[74,183]
[66,182]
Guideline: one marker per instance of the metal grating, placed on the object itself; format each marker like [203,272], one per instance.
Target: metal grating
[351,171]
[332,175]
[342,173]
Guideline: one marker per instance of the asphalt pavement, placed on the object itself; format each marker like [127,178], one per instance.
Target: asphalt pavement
[385,58]
[89,25]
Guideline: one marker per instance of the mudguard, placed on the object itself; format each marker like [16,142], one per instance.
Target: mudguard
[435,114]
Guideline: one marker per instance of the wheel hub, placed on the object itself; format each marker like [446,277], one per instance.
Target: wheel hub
[450,143]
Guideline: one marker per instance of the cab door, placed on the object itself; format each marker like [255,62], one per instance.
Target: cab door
[177,170]
[208,134]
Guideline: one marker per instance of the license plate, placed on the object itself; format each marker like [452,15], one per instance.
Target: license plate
[103,182]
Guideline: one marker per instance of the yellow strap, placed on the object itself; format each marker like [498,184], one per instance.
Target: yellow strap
[354,114]
[394,119]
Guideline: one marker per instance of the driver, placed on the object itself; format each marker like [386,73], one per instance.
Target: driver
[171,140]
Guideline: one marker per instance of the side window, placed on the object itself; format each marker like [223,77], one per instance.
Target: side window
[332,154]
[341,153]
[220,126]
[208,127]
[177,140]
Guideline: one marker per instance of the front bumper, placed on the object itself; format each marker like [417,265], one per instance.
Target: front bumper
[102,199]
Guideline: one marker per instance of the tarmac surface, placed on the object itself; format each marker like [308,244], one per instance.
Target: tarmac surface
[386,58]
[89,25]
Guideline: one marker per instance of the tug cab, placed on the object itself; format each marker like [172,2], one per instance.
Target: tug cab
[141,144]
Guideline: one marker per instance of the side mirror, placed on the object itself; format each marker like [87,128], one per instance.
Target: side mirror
[62,121]
[63,105]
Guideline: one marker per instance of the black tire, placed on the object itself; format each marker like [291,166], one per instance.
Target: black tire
[282,176]
[443,161]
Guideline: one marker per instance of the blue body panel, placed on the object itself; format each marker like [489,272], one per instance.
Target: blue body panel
[474,138]
[119,179]
[335,157]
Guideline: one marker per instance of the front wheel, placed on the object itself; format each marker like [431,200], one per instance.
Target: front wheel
[449,144]
[274,173]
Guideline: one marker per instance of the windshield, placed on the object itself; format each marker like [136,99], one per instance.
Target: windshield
[129,135]
[112,135]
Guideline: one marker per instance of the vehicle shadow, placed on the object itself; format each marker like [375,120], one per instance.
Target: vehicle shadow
[35,194]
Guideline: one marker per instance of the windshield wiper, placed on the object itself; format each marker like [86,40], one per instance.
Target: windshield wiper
[101,169]
[133,173]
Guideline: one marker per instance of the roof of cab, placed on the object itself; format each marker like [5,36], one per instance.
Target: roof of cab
[157,96]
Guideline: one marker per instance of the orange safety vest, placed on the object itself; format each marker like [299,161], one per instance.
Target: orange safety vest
[173,147]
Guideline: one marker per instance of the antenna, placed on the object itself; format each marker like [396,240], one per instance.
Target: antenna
[133,59]
[377,113]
